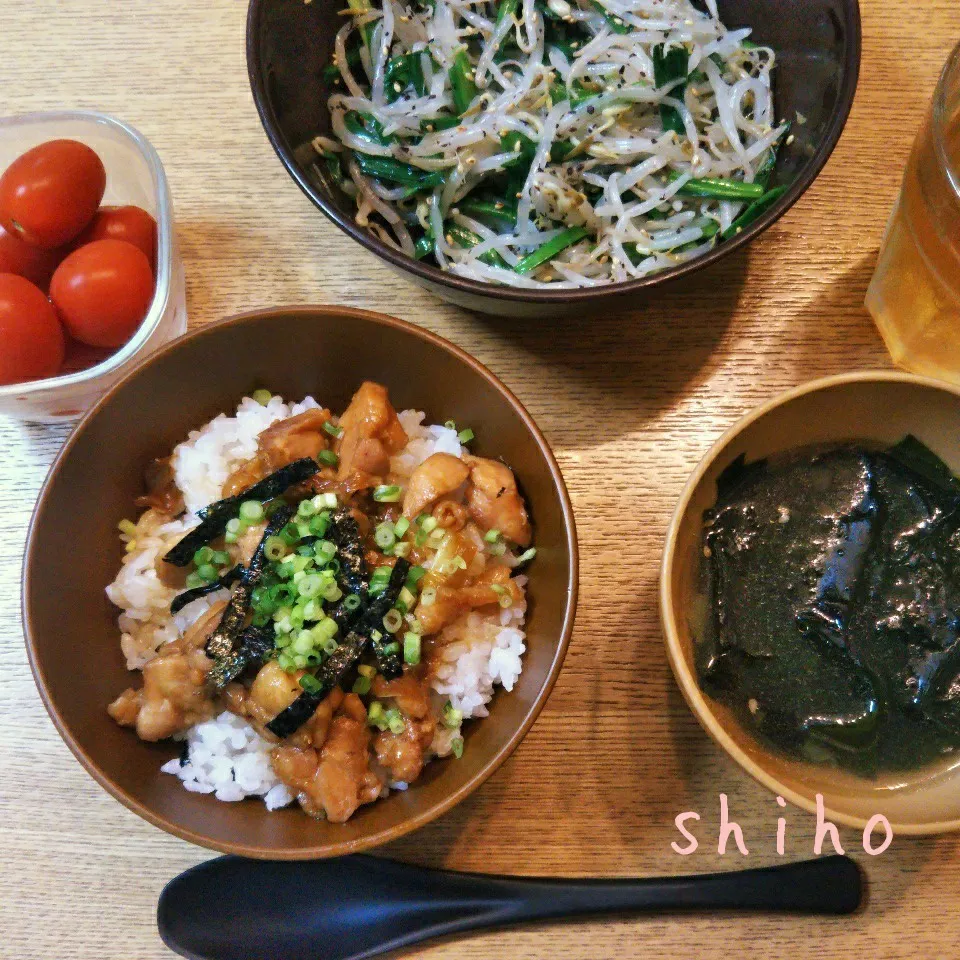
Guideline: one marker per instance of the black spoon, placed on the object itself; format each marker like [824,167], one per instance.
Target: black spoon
[357,907]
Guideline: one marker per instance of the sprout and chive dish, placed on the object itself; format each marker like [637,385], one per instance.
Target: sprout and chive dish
[317,603]
[551,145]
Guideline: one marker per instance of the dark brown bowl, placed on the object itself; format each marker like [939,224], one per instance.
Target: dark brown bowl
[289,43]
[73,552]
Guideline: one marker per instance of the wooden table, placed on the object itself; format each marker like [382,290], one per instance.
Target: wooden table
[629,403]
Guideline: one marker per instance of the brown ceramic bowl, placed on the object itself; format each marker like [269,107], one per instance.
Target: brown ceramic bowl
[879,408]
[289,43]
[73,552]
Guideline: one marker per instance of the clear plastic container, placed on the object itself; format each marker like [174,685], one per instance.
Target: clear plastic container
[134,176]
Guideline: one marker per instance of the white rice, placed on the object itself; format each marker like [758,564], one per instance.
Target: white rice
[226,756]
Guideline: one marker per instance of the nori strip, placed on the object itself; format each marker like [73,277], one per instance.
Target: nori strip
[188,596]
[224,638]
[254,646]
[348,652]
[214,518]
[389,664]
[345,535]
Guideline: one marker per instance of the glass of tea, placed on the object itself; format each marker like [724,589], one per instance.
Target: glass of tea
[914,295]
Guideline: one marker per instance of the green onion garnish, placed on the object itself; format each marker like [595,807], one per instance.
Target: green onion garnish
[361,685]
[274,548]
[411,648]
[394,720]
[333,430]
[251,511]
[526,556]
[385,536]
[452,717]
[263,397]
[328,458]
[352,602]
[392,621]
[401,527]
[387,494]
[492,536]
[456,747]
[310,683]
[465,436]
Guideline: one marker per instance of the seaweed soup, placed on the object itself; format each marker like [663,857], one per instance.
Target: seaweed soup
[833,581]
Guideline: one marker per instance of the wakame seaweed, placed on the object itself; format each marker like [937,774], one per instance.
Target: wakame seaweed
[214,518]
[833,581]
[224,638]
[348,652]
[188,596]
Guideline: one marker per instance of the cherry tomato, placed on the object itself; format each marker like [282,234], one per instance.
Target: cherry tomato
[35,264]
[79,356]
[50,193]
[132,224]
[103,291]
[30,332]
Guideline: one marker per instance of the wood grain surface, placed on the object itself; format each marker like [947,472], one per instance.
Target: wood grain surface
[629,402]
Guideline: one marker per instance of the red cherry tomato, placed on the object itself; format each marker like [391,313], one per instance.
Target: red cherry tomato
[132,224]
[79,356]
[30,333]
[50,193]
[103,291]
[35,264]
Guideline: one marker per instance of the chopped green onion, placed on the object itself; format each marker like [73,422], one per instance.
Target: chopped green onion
[310,683]
[365,670]
[465,436]
[263,397]
[235,526]
[429,596]
[251,511]
[411,648]
[503,595]
[329,646]
[128,527]
[328,501]
[394,720]
[492,536]
[375,715]
[202,556]
[392,621]
[319,524]
[274,548]
[310,585]
[328,458]
[306,509]
[333,430]
[207,572]
[415,575]
[401,527]
[427,524]
[351,602]
[384,536]
[452,717]
[550,249]
[289,534]
[405,600]
[436,538]
[361,686]
[456,747]
[526,556]
[401,549]
[194,580]
[387,494]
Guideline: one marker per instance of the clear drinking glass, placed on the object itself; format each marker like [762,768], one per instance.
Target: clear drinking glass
[914,295]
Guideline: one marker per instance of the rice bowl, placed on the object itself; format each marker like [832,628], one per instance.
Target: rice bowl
[473,645]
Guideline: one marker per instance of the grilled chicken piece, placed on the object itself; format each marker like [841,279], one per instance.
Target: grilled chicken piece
[494,501]
[336,780]
[280,444]
[451,602]
[438,476]
[174,695]
[410,692]
[163,494]
[404,754]
[371,435]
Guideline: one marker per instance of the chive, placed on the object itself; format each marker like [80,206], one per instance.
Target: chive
[263,397]
[328,458]
[577,94]
[461,80]
[550,249]
[506,9]
[331,71]
[439,123]
[613,21]
[765,170]
[490,209]
[465,436]
[411,648]
[387,494]
[717,187]
[521,146]
[669,67]
[366,31]
[386,168]
[423,247]
[753,211]
[367,128]
[467,238]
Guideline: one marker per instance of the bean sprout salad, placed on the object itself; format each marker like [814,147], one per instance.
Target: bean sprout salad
[551,143]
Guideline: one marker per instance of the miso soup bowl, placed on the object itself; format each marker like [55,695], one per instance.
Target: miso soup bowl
[73,552]
[877,407]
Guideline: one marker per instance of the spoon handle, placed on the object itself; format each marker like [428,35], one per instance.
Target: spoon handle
[357,907]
